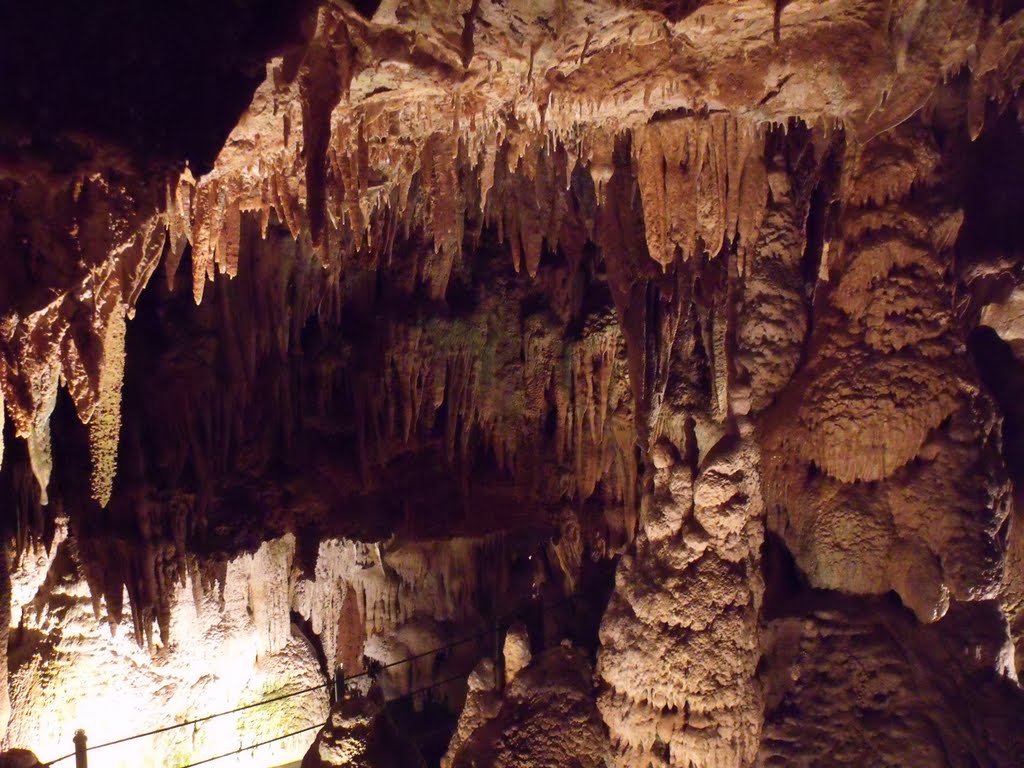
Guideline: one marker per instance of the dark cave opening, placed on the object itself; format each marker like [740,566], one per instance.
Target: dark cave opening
[166,80]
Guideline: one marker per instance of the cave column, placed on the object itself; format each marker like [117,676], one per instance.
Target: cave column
[679,641]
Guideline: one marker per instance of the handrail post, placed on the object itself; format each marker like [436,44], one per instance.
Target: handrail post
[81,751]
[339,682]
[499,655]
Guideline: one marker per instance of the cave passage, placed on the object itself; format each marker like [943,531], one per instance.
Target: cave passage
[577,384]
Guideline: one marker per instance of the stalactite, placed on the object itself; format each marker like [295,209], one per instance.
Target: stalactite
[445,204]
[105,423]
[311,142]
[325,79]
[40,449]
[699,181]
[178,210]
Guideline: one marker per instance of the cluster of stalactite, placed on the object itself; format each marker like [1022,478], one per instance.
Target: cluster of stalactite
[67,325]
[554,387]
[492,392]
[315,152]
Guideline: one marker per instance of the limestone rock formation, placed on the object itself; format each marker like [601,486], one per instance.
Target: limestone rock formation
[483,702]
[19,758]
[679,641]
[912,698]
[890,422]
[359,733]
[690,332]
[71,669]
[516,651]
[544,717]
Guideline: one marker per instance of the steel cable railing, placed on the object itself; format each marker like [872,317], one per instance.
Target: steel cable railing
[282,697]
[240,750]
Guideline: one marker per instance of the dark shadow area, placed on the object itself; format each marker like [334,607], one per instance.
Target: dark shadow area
[993,195]
[1003,375]
[782,578]
[168,80]
[429,724]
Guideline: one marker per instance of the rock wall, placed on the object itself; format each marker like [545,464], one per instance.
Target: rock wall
[70,668]
[408,600]
[894,479]
[911,696]
[359,732]
[5,595]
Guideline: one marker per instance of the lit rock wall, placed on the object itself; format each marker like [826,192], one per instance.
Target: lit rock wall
[5,624]
[70,669]
[235,642]
[1011,597]
[390,601]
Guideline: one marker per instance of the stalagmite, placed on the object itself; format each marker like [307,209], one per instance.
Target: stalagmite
[545,716]
[516,651]
[679,640]
[360,732]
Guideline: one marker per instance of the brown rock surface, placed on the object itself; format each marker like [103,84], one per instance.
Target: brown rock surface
[544,717]
[359,733]
[864,684]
